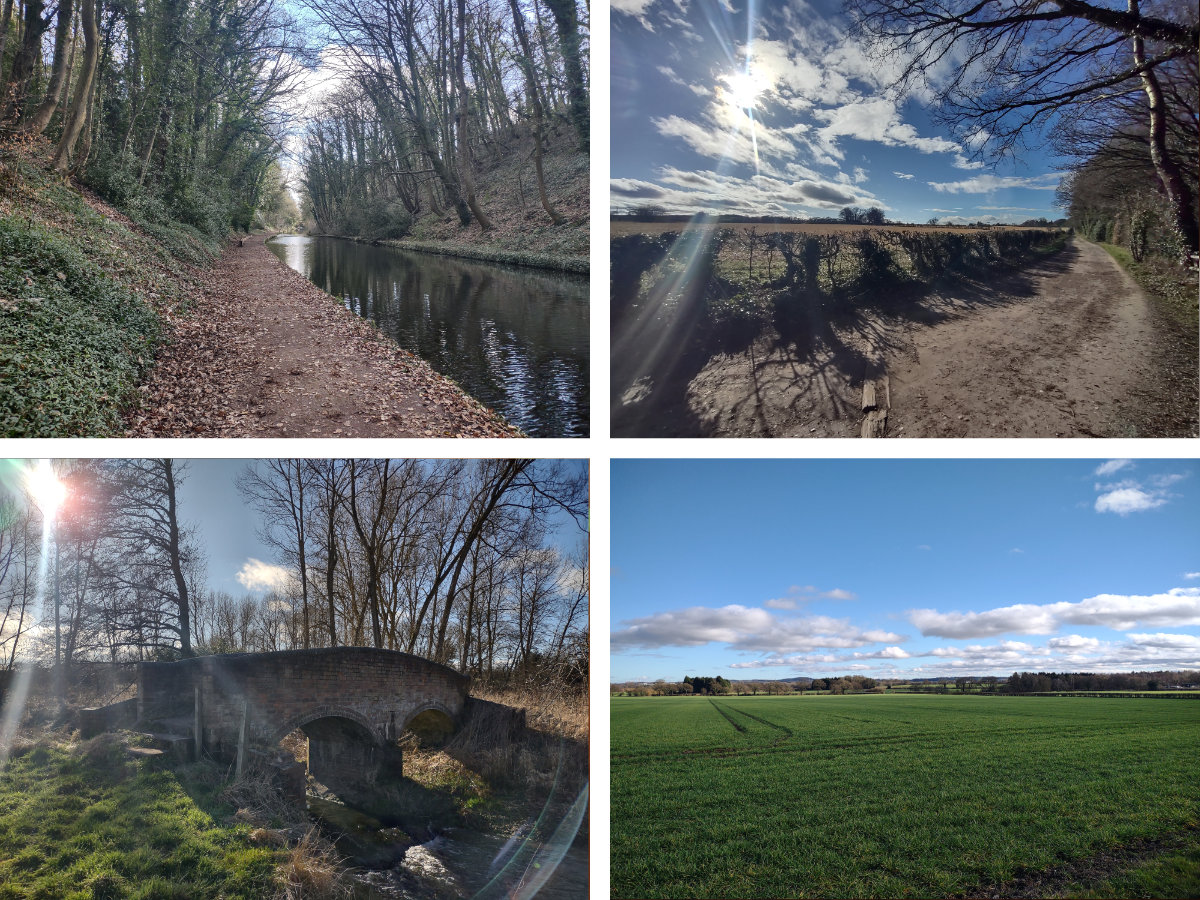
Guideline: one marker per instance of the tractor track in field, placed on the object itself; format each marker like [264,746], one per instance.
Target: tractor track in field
[732,721]
[741,712]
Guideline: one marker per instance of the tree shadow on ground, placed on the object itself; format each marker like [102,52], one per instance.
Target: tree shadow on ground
[828,346]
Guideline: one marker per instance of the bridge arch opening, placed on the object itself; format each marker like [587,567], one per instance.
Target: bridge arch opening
[431,727]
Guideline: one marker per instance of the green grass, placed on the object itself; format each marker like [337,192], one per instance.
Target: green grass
[86,822]
[1175,873]
[886,796]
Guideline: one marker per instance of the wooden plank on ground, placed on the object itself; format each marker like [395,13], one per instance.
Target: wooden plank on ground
[875,424]
[868,398]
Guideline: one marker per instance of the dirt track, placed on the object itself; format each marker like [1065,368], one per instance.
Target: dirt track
[1067,347]
[264,353]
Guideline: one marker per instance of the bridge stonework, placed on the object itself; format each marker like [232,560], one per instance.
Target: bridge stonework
[379,691]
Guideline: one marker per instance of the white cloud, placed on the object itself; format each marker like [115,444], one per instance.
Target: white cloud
[985,184]
[839,594]
[1113,465]
[256,575]
[1074,642]
[1166,641]
[636,8]
[1190,575]
[745,629]
[876,120]
[765,194]
[904,176]
[782,603]
[1124,501]
[671,76]
[1177,607]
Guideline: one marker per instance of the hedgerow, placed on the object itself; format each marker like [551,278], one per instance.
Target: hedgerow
[786,275]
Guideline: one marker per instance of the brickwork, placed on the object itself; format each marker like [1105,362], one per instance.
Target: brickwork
[379,690]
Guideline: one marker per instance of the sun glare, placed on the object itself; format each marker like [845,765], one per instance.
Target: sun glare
[47,491]
[742,89]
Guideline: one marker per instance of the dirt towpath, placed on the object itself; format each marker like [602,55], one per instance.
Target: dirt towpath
[262,352]
[1066,347]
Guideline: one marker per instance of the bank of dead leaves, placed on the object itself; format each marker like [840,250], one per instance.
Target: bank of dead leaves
[262,352]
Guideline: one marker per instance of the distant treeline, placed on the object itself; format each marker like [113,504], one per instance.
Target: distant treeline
[1041,682]
[849,216]
[1017,683]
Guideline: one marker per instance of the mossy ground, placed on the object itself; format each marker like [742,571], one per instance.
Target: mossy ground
[85,820]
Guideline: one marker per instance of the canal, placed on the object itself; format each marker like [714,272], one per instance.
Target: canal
[514,338]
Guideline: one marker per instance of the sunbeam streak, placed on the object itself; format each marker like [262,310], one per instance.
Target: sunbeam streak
[43,487]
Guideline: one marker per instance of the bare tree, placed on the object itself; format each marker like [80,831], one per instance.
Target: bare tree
[157,555]
[277,487]
[1014,67]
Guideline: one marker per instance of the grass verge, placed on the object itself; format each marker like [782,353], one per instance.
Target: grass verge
[1173,287]
[557,262]
[87,821]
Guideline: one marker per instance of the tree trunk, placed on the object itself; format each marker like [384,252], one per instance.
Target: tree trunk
[1179,192]
[5,18]
[526,63]
[464,134]
[566,22]
[81,105]
[26,58]
[37,122]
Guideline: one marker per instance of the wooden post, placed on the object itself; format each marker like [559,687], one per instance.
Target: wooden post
[197,730]
[243,740]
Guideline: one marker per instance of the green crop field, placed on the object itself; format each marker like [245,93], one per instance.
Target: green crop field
[898,796]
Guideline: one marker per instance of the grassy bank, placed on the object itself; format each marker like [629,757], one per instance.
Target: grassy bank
[1173,287]
[87,820]
[521,232]
[573,264]
[84,292]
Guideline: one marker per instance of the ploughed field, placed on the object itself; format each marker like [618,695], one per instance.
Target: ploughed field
[889,796]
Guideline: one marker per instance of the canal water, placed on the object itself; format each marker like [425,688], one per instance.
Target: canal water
[514,338]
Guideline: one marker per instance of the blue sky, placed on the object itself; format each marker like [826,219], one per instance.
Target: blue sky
[922,568]
[767,108]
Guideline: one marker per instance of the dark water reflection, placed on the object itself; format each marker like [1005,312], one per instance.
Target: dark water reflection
[514,338]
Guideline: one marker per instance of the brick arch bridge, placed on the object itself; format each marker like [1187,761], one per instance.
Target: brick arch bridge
[352,703]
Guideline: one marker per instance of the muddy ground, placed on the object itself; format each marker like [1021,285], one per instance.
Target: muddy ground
[1068,346]
[262,352]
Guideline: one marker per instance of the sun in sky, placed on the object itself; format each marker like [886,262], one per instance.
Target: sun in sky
[781,109]
[743,88]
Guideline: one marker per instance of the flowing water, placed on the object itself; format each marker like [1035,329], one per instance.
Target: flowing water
[514,338]
[456,862]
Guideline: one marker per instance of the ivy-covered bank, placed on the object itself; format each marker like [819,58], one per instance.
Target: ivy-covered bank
[84,292]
